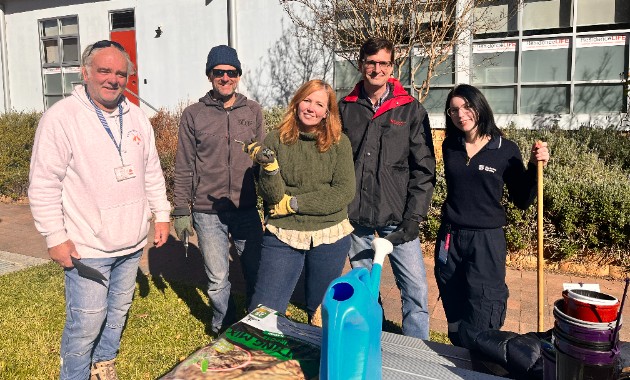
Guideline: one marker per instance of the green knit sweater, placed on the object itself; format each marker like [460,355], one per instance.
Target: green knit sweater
[323,183]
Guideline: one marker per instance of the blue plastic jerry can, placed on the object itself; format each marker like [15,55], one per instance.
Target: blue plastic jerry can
[352,322]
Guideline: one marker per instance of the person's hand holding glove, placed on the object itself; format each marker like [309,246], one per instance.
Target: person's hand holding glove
[181,224]
[262,155]
[406,231]
[286,206]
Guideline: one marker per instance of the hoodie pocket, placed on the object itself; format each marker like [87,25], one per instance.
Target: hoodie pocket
[124,225]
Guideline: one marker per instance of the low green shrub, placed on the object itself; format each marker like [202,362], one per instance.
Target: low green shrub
[586,200]
[610,144]
[586,184]
[17,132]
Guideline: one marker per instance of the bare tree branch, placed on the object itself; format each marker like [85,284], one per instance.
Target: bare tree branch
[431,28]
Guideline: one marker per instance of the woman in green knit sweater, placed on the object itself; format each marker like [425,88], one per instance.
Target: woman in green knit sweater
[308,186]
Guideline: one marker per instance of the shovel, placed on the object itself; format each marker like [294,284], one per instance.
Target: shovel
[541,262]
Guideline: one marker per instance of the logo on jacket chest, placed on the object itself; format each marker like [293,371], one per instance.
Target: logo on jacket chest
[245,122]
[486,168]
[134,137]
[398,123]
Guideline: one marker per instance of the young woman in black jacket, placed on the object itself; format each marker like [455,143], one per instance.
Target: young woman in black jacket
[471,249]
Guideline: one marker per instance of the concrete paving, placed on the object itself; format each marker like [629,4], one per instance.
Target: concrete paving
[22,246]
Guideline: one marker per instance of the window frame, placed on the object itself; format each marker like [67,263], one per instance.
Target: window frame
[62,66]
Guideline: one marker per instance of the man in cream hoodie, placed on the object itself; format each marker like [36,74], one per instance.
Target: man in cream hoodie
[95,182]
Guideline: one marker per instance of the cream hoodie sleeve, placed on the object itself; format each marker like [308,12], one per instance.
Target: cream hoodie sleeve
[49,162]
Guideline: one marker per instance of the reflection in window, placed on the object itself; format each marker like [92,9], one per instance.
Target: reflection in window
[69,25]
[501,99]
[494,63]
[598,98]
[442,74]
[593,12]
[52,83]
[403,73]
[50,100]
[49,28]
[600,57]
[346,74]
[550,14]
[545,60]
[70,50]
[71,77]
[51,51]
[544,99]
[436,99]
[496,17]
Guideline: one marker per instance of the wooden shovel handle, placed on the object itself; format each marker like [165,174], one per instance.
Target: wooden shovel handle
[541,262]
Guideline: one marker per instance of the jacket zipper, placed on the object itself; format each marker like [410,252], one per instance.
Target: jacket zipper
[227,112]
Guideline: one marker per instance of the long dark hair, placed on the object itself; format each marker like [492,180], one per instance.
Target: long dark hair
[486,125]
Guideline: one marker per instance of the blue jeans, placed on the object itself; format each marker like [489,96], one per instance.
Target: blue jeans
[96,314]
[408,267]
[213,232]
[281,266]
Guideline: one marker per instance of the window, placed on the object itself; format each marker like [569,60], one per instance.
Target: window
[123,20]
[600,57]
[442,80]
[547,16]
[593,12]
[554,67]
[495,63]
[545,99]
[60,57]
[600,62]
[598,98]
[495,18]
[545,60]
[346,76]
[501,99]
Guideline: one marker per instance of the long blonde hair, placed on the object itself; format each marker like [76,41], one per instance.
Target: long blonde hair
[328,132]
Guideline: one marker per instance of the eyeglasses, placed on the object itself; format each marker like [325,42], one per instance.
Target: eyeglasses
[219,73]
[454,111]
[371,65]
[105,43]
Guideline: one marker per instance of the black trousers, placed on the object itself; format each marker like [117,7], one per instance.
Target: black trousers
[470,274]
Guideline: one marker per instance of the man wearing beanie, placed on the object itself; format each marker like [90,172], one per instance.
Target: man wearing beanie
[214,188]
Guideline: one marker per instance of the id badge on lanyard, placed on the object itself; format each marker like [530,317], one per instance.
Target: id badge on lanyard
[123,172]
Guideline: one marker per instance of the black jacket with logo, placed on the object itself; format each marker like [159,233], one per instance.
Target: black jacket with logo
[475,186]
[394,161]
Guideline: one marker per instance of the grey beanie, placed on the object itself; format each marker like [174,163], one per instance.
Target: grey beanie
[223,55]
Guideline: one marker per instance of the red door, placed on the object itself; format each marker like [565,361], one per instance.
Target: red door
[127,38]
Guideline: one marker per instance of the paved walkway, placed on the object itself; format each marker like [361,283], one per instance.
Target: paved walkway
[21,245]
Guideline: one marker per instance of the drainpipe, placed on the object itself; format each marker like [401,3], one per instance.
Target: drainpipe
[231,9]
[5,68]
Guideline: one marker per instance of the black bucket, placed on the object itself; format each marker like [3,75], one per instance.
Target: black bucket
[549,360]
[570,368]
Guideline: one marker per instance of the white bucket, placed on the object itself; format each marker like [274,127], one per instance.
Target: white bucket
[592,298]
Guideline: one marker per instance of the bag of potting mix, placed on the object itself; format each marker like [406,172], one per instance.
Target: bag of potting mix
[264,344]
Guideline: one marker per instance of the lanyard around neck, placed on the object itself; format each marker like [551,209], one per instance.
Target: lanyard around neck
[101,117]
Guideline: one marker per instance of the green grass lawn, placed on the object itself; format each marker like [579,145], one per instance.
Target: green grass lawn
[167,322]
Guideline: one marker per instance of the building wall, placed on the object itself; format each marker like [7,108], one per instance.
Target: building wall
[171,68]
